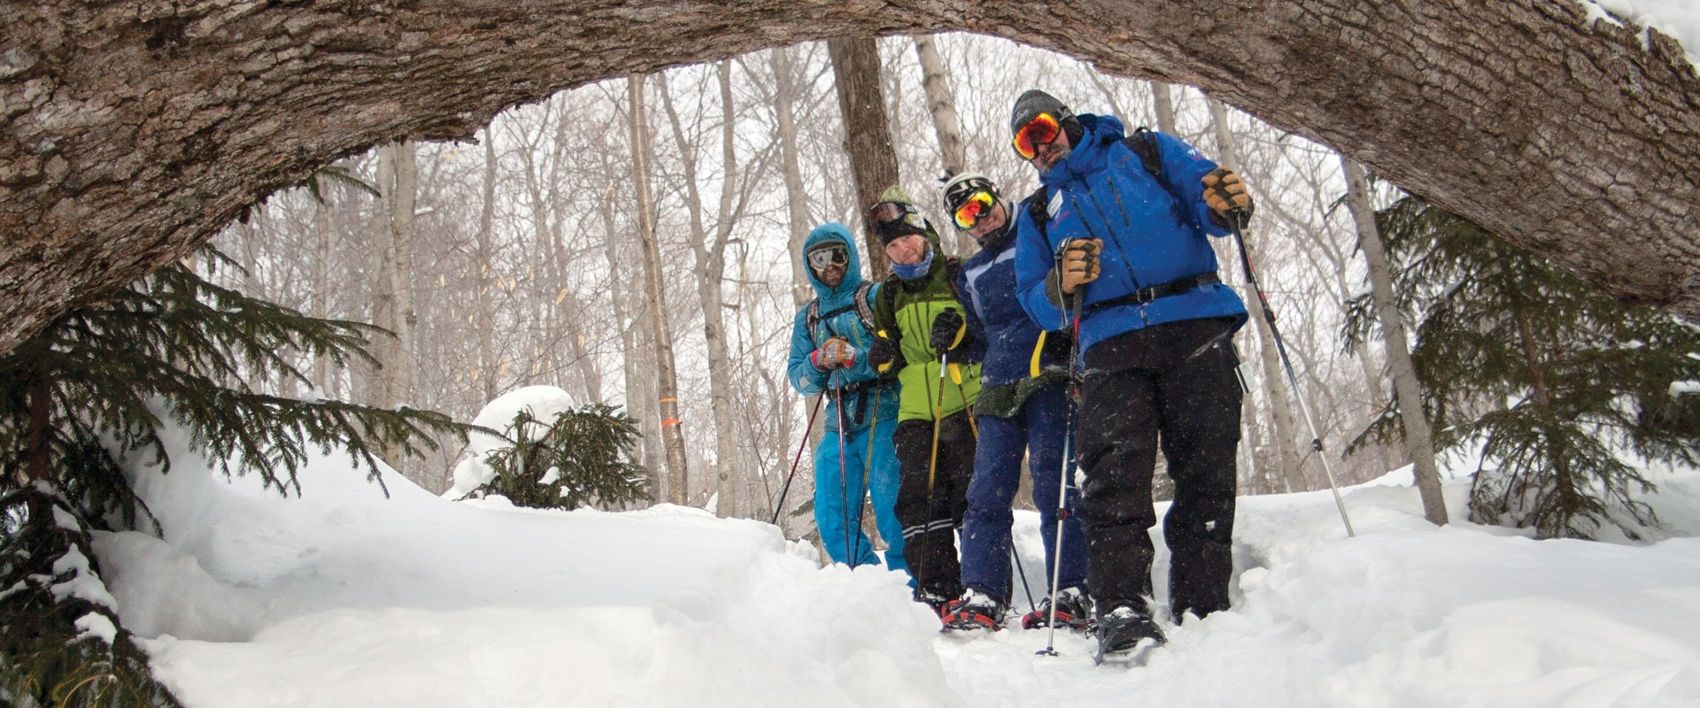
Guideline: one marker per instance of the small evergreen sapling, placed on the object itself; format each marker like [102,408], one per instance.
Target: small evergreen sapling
[1555,382]
[583,456]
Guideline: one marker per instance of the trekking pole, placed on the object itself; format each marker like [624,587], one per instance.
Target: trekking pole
[1062,484]
[867,469]
[1022,571]
[798,458]
[843,481]
[932,471]
[1287,364]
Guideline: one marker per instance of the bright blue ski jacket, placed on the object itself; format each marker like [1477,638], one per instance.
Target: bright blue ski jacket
[1153,231]
[844,321]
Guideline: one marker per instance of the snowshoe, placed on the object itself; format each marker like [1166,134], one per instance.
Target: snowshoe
[1074,611]
[1126,636]
[973,611]
[938,603]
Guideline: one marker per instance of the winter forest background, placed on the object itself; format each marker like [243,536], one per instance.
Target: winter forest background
[521,264]
[514,271]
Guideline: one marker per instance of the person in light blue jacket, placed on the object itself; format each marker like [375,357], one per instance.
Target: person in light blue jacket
[829,345]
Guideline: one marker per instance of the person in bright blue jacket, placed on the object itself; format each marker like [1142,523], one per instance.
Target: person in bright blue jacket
[1023,411]
[1118,234]
[829,344]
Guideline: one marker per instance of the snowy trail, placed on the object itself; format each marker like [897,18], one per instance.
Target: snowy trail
[344,598]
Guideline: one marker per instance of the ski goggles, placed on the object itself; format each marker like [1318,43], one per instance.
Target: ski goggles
[975,207]
[891,220]
[1039,131]
[829,256]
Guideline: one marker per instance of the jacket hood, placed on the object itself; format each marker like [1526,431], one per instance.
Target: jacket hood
[1099,133]
[826,233]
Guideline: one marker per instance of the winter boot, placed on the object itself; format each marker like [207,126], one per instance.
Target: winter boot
[1122,629]
[1074,611]
[974,610]
[938,603]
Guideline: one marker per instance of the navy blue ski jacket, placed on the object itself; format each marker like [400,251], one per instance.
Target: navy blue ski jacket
[986,287]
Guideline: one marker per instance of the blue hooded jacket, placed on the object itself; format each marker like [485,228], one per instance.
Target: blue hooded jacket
[1153,234]
[808,380]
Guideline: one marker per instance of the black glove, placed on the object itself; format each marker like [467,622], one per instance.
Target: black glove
[882,352]
[949,332]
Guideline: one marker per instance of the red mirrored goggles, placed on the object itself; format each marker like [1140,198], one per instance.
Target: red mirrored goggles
[971,210]
[1039,131]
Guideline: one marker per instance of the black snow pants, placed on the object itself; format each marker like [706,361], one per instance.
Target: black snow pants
[930,521]
[1173,385]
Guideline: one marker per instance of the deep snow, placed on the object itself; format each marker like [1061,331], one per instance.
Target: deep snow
[342,597]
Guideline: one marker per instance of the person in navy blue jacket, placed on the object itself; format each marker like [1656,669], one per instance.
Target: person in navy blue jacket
[1023,408]
[829,345]
[1117,233]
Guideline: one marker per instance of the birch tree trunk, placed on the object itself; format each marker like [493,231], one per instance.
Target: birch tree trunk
[375,385]
[797,196]
[627,320]
[867,133]
[399,376]
[710,255]
[321,294]
[935,81]
[1163,101]
[1418,437]
[1280,407]
[484,329]
[666,387]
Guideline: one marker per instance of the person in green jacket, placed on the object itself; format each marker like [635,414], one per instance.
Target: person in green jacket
[923,338]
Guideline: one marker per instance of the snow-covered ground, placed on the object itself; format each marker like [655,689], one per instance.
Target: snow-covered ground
[344,598]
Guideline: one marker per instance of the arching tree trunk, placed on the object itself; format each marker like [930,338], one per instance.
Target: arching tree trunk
[130,133]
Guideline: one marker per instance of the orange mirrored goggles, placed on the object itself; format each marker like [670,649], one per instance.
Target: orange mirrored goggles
[971,210]
[1039,131]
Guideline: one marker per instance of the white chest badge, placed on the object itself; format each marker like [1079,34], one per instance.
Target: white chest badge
[1055,204]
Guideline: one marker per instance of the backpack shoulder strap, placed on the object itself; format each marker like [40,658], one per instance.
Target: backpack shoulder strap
[1035,206]
[813,318]
[865,309]
[1143,143]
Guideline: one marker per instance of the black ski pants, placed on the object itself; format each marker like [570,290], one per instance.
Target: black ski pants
[930,519]
[1173,385]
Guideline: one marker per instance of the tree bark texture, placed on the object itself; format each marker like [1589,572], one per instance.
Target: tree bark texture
[130,133]
[1418,438]
[398,375]
[867,133]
